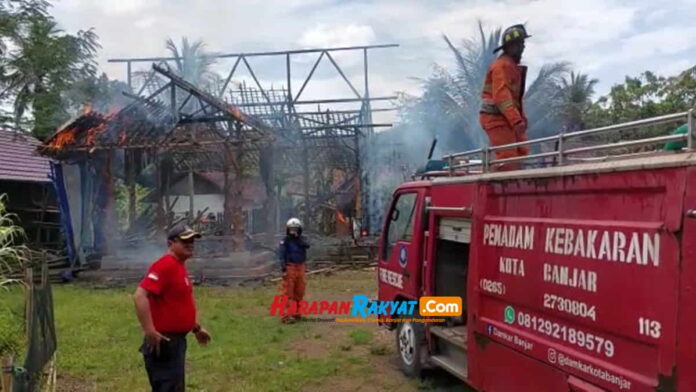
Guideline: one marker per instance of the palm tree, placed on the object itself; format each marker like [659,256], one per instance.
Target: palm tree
[472,60]
[193,63]
[451,101]
[543,100]
[578,90]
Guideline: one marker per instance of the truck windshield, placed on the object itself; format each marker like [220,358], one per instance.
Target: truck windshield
[400,222]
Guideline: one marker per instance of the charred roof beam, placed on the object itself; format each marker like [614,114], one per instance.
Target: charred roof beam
[189,87]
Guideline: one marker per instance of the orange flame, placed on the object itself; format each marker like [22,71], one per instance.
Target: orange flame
[63,139]
[77,131]
[92,134]
[340,217]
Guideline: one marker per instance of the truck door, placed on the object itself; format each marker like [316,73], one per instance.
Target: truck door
[401,249]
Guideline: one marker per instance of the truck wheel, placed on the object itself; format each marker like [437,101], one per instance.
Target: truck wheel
[410,345]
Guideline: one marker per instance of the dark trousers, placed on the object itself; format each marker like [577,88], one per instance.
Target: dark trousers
[166,371]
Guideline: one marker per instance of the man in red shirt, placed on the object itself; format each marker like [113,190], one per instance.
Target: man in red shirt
[167,312]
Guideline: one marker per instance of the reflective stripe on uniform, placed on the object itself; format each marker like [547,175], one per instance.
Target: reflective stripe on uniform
[505,104]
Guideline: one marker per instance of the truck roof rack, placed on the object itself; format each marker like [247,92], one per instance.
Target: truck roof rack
[564,153]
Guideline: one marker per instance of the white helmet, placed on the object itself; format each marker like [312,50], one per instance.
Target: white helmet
[293,223]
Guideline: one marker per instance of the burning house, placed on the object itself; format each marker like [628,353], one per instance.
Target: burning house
[248,162]
[150,143]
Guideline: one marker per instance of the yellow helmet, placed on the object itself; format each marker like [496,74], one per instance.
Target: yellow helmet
[512,34]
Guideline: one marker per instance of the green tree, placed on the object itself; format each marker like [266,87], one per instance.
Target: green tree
[577,90]
[644,96]
[680,91]
[12,14]
[40,63]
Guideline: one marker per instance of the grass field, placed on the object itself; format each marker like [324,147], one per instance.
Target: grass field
[12,337]
[98,338]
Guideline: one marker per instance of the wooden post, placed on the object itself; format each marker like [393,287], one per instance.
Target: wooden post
[357,207]
[42,214]
[129,77]
[227,197]
[28,312]
[130,183]
[236,188]
[44,268]
[271,206]
[160,225]
[168,208]
[111,221]
[6,365]
[305,182]
[191,193]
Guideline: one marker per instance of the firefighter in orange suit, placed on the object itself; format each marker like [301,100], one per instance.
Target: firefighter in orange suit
[502,116]
[292,253]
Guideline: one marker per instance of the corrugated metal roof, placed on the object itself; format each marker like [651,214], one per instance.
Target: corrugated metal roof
[19,160]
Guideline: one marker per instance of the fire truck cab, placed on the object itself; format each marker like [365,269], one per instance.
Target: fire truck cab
[579,275]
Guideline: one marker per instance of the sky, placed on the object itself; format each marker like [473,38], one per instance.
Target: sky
[607,39]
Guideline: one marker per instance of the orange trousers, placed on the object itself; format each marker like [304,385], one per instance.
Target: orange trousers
[293,285]
[500,133]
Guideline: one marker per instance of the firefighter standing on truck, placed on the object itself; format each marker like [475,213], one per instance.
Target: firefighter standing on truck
[502,116]
[292,253]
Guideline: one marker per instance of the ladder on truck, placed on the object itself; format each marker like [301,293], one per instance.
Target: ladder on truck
[482,160]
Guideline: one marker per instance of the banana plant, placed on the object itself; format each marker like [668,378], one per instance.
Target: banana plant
[12,254]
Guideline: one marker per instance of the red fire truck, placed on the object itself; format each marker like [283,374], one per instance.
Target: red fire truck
[577,275]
